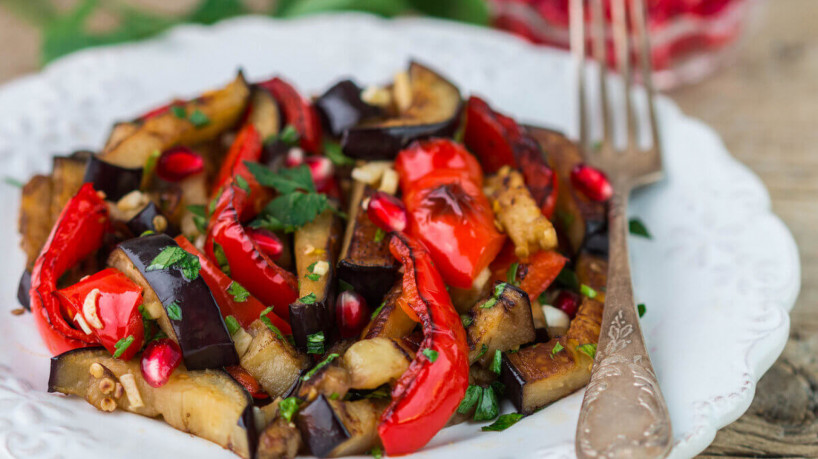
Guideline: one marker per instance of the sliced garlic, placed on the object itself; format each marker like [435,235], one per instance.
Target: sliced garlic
[376,95]
[131,391]
[556,320]
[402,91]
[371,172]
[320,268]
[89,308]
[389,181]
[241,340]
[133,200]
[83,324]
[96,370]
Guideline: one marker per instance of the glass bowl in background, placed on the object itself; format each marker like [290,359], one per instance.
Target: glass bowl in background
[689,38]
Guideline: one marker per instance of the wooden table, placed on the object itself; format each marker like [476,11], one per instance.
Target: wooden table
[765,106]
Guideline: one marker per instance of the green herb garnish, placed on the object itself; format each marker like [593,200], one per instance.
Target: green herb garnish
[466,320]
[232,325]
[179,111]
[487,406]
[376,452]
[319,366]
[379,235]
[377,311]
[332,150]
[638,228]
[557,348]
[489,303]
[587,291]
[470,399]
[13,182]
[315,343]
[122,345]
[298,202]
[269,323]
[641,309]
[430,354]
[568,278]
[313,276]
[174,311]
[147,233]
[497,361]
[588,349]
[503,422]
[288,407]
[289,135]
[239,293]
[221,258]
[511,276]
[307,299]
[334,396]
[242,183]
[199,119]
[175,256]
[345,286]
[483,351]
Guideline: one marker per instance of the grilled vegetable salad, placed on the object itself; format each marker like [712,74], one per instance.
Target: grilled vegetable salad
[329,276]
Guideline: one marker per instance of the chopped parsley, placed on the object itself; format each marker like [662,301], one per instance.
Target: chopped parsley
[315,343]
[179,111]
[242,183]
[641,309]
[430,354]
[147,233]
[239,293]
[175,256]
[497,361]
[197,209]
[199,217]
[332,150]
[466,320]
[199,119]
[588,349]
[587,291]
[498,291]
[174,311]
[511,276]
[487,406]
[376,452]
[470,399]
[312,275]
[503,422]
[334,396]
[377,311]
[568,278]
[289,135]
[308,299]
[489,303]
[319,366]
[379,235]
[557,348]
[232,325]
[298,202]
[288,407]
[13,182]
[221,258]
[122,345]
[483,351]
[499,388]
[345,286]
[269,323]
[637,228]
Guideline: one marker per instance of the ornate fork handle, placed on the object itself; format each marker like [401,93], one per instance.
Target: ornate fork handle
[623,412]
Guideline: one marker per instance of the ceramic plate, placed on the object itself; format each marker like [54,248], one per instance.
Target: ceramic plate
[718,277]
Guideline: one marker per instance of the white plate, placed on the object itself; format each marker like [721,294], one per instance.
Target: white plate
[718,277]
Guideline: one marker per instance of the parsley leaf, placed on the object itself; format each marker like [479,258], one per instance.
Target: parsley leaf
[466,320]
[147,233]
[13,182]
[511,276]
[497,361]
[289,135]
[568,278]
[174,311]
[641,309]
[313,277]
[334,396]
[470,399]
[637,228]
[376,452]
[308,299]
[345,286]
[288,407]
[332,150]
[179,111]
[269,323]
[199,119]
[588,349]
[221,258]
[232,325]
[242,183]
[489,303]
[285,180]
[483,351]
[197,209]
[175,256]
[377,311]
[557,348]
[430,354]
[379,235]
[315,343]
[122,345]
[319,366]
[503,422]
[239,293]
[290,211]
[487,406]
[587,291]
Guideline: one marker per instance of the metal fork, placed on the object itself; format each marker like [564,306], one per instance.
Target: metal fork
[623,412]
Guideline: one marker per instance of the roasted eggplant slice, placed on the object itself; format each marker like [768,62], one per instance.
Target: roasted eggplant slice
[582,223]
[273,361]
[280,439]
[434,111]
[334,428]
[264,113]
[374,362]
[390,321]
[341,107]
[327,380]
[216,112]
[316,246]
[501,322]
[34,222]
[184,308]
[150,218]
[66,179]
[23,288]
[208,404]
[115,181]
[366,263]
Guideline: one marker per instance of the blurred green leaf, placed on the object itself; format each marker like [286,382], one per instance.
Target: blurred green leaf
[472,11]
[39,12]
[386,8]
[211,11]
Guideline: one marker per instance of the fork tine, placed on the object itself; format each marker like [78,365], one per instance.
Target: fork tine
[621,44]
[601,56]
[577,19]
[638,18]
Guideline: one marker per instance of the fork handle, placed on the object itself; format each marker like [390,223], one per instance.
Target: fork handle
[623,412]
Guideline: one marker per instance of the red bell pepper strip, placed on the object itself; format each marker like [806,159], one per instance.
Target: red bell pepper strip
[449,213]
[247,380]
[161,110]
[77,234]
[249,266]
[298,112]
[498,141]
[246,310]
[116,301]
[246,147]
[428,393]
[426,156]
[534,274]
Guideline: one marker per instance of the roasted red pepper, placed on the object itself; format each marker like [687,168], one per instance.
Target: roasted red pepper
[426,156]
[499,141]
[108,304]
[244,309]
[247,380]
[449,213]
[428,393]
[298,112]
[534,274]
[78,233]
[246,147]
[249,265]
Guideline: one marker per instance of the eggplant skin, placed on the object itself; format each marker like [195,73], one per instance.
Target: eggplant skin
[341,107]
[203,403]
[22,290]
[384,143]
[115,181]
[334,428]
[144,221]
[201,332]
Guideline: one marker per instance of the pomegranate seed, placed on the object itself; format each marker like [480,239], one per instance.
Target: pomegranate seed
[351,313]
[567,302]
[159,359]
[322,172]
[177,163]
[387,212]
[267,241]
[294,158]
[591,182]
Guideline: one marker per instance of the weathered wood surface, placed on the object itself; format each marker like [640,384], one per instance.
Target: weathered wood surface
[765,106]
